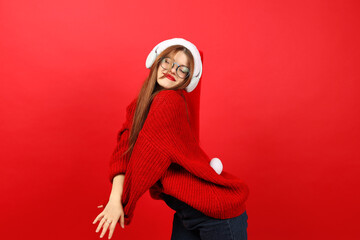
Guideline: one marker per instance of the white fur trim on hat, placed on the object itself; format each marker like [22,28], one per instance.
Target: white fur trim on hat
[194,51]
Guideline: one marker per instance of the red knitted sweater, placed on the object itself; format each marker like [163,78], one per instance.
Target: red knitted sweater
[167,158]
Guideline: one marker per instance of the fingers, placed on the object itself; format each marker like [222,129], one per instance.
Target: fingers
[107,221]
[100,225]
[122,221]
[112,228]
[105,227]
[98,217]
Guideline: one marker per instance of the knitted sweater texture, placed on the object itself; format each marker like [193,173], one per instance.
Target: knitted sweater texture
[167,158]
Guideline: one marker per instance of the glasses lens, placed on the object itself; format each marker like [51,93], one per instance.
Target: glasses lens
[183,71]
[165,63]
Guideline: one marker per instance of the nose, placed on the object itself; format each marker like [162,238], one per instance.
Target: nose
[173,68]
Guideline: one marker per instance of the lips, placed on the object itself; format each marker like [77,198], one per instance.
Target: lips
[170,77]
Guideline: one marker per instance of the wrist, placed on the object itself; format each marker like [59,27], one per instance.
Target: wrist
[115,198]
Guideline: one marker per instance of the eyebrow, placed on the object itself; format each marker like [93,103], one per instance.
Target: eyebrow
[177,62]
[185,65]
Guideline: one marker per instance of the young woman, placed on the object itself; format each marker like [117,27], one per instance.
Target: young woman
[157,151]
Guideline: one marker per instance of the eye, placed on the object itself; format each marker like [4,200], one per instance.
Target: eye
[184,69]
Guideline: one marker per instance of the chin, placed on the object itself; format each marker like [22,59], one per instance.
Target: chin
[164,85]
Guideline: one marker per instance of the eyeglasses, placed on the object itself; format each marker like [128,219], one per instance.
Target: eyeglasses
[167,63]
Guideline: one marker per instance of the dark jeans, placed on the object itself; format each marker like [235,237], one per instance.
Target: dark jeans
[191,224]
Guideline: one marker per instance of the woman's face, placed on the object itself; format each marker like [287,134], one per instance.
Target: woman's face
[169,78]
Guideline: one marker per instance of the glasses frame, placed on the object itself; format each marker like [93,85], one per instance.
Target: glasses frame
[173,62]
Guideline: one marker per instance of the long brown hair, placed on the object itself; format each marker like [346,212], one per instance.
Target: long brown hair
[151,88]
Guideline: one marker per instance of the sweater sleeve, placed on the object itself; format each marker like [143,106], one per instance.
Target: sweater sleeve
[148,162]
[118,162]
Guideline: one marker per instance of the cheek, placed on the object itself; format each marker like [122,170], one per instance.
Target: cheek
[158,73]
[180,80]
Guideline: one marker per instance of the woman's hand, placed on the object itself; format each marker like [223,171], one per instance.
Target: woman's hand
[109,217]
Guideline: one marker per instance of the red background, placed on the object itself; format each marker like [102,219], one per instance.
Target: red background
[279,106]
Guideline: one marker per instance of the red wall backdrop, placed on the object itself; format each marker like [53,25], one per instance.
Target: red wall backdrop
[279,106]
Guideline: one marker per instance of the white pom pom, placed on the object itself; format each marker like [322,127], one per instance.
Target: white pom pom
[216,164]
